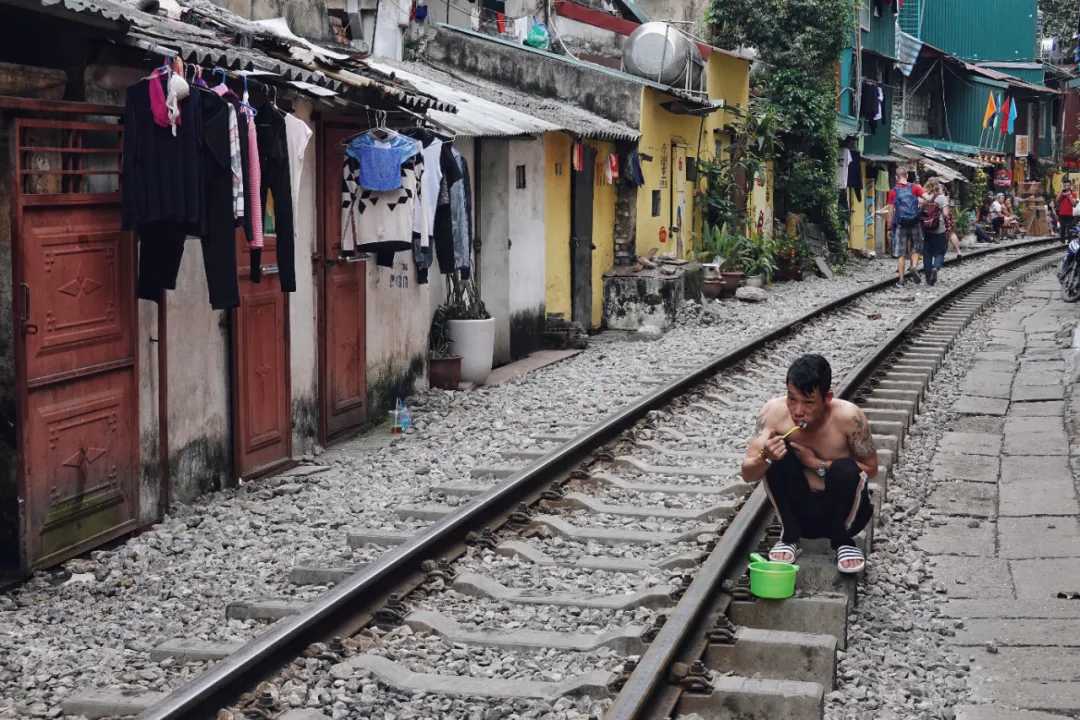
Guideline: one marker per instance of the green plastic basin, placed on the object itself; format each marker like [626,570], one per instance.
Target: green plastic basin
[771,580]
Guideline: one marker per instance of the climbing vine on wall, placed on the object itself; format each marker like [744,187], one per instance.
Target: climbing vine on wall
[798,43]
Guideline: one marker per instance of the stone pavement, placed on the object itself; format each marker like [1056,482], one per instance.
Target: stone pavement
[1005,540]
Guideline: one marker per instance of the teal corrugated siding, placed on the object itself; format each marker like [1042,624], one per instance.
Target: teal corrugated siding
[882,36]
[966,106]
[1046,117]
[1031,75]
[909,17]
[847,63]
[982,29]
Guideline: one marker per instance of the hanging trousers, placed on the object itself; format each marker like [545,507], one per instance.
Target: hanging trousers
[838,513]
[274,160]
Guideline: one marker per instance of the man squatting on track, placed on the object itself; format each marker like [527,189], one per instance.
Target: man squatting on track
[817,455]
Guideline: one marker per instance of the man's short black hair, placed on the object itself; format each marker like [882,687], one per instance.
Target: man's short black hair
[911,179]
[809,373]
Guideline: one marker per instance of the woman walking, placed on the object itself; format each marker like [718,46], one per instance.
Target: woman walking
[935,227]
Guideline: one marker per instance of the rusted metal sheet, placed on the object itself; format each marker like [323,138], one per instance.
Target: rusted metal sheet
[76,362]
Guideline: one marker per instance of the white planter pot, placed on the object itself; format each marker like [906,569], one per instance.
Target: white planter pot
[755,281]
[474,341]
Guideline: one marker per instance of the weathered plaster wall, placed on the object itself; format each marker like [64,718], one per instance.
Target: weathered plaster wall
[538,72]
[303,326]
[527,248]
[398,320]
[495,218]
[557,223]
[392,17]
[603,256]
[307,18]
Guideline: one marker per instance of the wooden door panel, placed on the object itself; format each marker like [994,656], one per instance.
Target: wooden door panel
[343,345]
[81,444]
[79,284]
[75,339]
[263,422]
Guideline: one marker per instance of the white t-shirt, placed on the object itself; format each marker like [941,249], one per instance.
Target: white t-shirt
[297,136]
[431,181]
[996,210]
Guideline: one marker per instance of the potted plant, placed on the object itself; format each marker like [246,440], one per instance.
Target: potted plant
[791,255]
[470,328]
[444,368]
[759,261]
[724,275]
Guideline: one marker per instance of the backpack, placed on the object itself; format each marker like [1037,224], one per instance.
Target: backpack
[907,206]
[931,216]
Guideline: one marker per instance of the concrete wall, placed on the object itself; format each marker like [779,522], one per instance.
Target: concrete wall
[307,18]
[303,307]
[526,210]
[609,95]
[557,223]
[391,20]
[494,222]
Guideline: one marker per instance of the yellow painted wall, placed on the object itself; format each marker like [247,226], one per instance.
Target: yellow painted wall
[603,257]
[675,140]
[557,222]
[760,207]
[1055,182]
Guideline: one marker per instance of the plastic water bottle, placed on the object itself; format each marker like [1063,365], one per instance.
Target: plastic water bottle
[405,418]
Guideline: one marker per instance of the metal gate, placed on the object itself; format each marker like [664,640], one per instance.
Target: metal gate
[75,350]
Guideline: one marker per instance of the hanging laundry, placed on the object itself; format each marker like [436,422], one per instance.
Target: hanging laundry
[634,175]
[880,103]
[500,22]
[474,19]
[869,106]
[521,28]
[613,168]
[298,135]
[854,180]
[255,199]
[461,214]
[383,223]
[443,230]
[277,184]
[380,153]
[842,168]
[578,157]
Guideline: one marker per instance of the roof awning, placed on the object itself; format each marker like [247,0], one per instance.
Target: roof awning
[488,109]
[943,171]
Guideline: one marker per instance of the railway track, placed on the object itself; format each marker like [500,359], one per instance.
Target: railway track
[597,572]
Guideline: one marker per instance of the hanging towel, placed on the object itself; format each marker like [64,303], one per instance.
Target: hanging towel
[521,28]
[880,103]
[578,157]
[500,22]
[474,18]
[842,168]
[854,180]
[613,167]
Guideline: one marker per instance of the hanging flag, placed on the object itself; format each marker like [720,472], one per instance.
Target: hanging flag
[1005,115]
[1012,118]
[991,108]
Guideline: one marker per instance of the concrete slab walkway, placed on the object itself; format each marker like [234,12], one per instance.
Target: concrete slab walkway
[524,366]
[1006,547]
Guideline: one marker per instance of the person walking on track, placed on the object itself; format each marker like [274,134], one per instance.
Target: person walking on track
[907,238]
[817,455]
[1066,209]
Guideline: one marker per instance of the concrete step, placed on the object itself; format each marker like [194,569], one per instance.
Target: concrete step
[778,655]
[520,549]
[109,703]
[826,614]
[481,586]
[263,609]
[625,641]
[194,650]
[754,699]
[610,536]
[367,537]
[580,501]
[593,684]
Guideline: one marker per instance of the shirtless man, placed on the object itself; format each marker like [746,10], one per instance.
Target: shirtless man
[816,477]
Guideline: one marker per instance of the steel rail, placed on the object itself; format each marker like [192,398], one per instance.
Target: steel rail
[333,612]
[638,697]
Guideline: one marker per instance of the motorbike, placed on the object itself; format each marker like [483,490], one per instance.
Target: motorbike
[1069,272]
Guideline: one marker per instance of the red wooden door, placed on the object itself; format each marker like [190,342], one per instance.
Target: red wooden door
[342,324]
[262,418]
[75,331]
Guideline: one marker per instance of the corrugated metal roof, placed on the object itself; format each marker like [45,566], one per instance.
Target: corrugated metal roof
[476,116]
[486,109]
[210,38]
